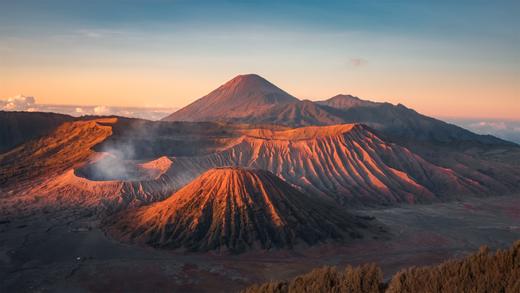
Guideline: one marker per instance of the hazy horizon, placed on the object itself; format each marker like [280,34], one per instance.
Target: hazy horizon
[508,129]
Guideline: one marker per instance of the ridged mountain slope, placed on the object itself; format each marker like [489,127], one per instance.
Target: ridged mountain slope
[348,163]
[236,209]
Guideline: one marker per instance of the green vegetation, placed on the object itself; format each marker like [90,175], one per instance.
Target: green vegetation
[481,272]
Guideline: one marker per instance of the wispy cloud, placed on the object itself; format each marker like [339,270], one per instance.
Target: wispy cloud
[102,110]
[357,62]
[496,125]
[97,33]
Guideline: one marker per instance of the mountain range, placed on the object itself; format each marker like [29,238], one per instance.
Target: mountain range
[254,100]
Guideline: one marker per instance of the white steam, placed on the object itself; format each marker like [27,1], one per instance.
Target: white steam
[117,165]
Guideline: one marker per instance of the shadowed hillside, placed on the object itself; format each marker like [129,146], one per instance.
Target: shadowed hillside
[19,127]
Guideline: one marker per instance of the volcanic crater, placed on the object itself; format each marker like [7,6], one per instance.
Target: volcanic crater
[112,168]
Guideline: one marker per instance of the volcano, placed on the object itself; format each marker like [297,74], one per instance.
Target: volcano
[234,209]
[242,96]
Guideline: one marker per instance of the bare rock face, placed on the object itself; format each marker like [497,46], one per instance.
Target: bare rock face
[237,209]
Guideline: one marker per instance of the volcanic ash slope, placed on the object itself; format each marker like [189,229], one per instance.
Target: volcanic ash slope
[347,163]
[233,209]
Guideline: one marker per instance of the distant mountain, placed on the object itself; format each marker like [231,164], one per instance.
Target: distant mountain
[242,96]
[252,99]
[401,124]
[19,127]
[300,113]
[344,102]
[238,209]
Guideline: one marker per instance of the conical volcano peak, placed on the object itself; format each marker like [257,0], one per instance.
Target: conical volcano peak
[239,97]
[249,85]
[237,209]
[249,79]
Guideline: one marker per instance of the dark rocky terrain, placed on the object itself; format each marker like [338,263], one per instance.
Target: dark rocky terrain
[65,250]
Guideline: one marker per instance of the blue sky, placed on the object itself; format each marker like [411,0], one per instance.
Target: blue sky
[490,19]
[425,54]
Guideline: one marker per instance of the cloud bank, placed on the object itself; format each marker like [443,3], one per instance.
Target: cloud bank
[17,103]
[28,103]
[505,129]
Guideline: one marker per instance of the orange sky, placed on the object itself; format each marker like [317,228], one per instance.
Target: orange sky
[432,95]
